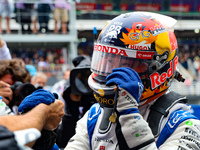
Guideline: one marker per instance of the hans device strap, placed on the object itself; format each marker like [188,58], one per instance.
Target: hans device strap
[160,109]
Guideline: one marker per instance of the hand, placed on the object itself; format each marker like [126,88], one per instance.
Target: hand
[130,87]
[37,97]
[6,92]
[56,112]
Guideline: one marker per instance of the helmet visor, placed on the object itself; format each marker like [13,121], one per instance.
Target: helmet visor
[103,62]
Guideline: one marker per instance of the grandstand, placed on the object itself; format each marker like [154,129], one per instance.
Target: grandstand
[87,14]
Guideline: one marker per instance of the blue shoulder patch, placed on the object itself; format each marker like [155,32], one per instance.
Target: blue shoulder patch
[176,118]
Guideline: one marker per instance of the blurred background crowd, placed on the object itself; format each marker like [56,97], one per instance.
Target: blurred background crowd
[36,31]
[45,37]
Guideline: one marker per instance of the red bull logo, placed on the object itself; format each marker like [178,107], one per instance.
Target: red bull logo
[157,79]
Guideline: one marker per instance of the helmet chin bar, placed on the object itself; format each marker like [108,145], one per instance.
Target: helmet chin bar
[106,96]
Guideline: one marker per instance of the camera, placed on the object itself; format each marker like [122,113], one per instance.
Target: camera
[79,76]
[20,91]
[79,81]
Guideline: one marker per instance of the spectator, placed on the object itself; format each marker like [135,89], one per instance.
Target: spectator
[50,56]
[58,87]
[42,63]
[39,80]
[187,63]
[44,8]
[196,64]
[34,18]
[60,13]
[61,60]
[4,51]
[23,15]
[6,8]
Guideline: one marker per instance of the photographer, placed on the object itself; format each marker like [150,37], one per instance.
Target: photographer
[11,72]
[78,99]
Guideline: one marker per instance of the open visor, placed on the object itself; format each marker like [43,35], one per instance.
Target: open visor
[105,58]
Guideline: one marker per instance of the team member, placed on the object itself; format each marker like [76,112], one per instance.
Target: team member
[134,63]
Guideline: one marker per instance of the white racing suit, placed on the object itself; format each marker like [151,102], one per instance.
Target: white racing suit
[177,130]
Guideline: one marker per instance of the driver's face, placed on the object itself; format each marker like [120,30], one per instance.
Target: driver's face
[106,64]
[112,61]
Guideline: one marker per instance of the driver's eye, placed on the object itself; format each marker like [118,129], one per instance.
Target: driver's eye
[125,64]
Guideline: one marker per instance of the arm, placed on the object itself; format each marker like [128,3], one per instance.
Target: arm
[42,116]
[4,51]
[132,130]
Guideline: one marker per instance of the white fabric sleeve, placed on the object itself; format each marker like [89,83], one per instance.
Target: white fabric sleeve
[5,52]
[4,109]
[80,141]
[186,136]
[136,132]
